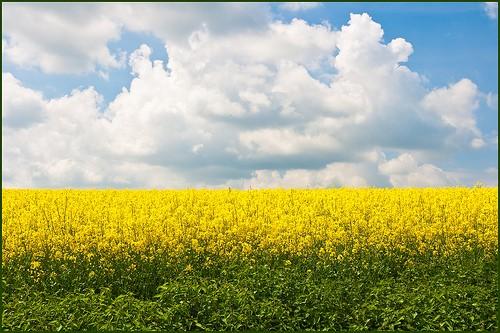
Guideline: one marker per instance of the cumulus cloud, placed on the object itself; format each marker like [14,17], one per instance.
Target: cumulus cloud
[337,174]
[62,153]
[333,175]
[455,104]
[491,9]
[21,107]
[404,171]
[75,37]
[286,104]
[297,41]
[175,22]
[299,6]
[71,147]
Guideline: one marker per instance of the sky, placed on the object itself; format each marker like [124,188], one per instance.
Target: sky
[249,95]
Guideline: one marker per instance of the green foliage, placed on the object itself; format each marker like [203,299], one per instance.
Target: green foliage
[370,291]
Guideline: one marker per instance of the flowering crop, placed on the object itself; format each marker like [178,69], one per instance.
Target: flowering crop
[239,223]
[256,259]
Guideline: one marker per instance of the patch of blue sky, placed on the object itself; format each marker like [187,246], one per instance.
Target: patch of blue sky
[472,159]
[486,118]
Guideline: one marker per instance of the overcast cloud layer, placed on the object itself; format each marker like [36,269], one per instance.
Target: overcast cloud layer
[243,100]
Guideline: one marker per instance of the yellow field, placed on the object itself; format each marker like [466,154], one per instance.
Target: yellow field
[338,259]
[333,223]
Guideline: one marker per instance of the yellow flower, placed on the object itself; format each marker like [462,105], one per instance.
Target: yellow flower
[246,248]
[217,222]
[35,264]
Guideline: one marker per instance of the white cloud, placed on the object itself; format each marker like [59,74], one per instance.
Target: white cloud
[59,38]
[404,164]
[299,6]
[286,104]
[68,139]
[71,148]
[74,38]
[333,175]
[404,171]
[491,9]
[21,107]
[455,104]
[175,22]
[361,48]
[296,41]
[276,142]
[477,143]
[197,148]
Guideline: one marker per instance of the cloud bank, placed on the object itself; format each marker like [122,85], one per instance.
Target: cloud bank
[268,104]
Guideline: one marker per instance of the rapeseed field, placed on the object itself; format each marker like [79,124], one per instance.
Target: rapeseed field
[323,259]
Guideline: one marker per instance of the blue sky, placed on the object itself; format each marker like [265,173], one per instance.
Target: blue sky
[189,121]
